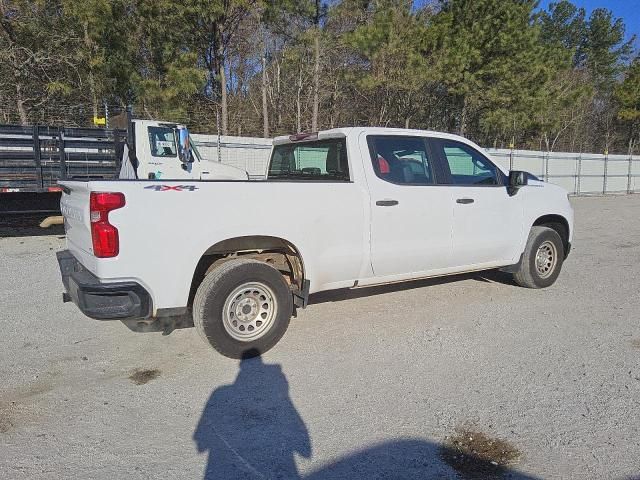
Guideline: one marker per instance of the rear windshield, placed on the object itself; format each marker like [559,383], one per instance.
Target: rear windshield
[319,160]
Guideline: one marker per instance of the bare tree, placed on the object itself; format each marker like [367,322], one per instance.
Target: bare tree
[265,106]
[316,66]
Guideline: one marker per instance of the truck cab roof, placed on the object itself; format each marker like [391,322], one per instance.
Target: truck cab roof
[349,131]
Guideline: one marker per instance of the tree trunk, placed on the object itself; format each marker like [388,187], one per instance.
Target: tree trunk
[279,95]
[298,106]
[22,111]
[265,110]
[463,117]
[316,78]
[223,97]
[546,142]
[20,103]
[334,103]
[91,79]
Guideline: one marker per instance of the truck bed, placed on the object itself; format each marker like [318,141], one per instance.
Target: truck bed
[169,223]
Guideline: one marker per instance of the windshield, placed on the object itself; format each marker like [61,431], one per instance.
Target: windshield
[162,141]
[319,160]
[194,149]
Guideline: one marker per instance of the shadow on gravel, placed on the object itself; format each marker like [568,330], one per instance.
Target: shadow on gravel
[488,276]
[29,209]
[494,276]
[252,430]
[23,225]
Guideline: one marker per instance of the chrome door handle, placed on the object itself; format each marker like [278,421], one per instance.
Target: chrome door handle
[386,203]
[465,201]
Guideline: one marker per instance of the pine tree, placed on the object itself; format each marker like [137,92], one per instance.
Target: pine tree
[394,71]
[492,63]
[564,26]
[627,95]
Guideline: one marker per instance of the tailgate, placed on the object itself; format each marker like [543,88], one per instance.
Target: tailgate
[75,210]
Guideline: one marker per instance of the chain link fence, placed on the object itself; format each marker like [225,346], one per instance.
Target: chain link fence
[248,153]
[578,173]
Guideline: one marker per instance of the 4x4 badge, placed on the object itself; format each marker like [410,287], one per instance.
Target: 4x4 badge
[166,188]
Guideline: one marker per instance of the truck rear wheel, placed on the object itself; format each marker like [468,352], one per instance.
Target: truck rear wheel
[542,259]
[242,307]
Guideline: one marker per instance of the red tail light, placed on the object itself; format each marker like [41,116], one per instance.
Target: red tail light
[104,235]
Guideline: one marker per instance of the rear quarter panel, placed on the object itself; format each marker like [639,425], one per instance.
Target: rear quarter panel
[165,230]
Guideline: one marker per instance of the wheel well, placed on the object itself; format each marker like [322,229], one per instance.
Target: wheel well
[277,252]
[557,223]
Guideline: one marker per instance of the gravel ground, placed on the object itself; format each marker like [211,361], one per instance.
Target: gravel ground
[426,380]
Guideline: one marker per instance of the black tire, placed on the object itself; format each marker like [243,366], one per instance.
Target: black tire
[528,274]
[215,291]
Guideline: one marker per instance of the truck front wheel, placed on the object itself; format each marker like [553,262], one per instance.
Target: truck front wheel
[242,307]
[542,259]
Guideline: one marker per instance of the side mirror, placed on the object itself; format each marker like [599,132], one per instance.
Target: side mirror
[185,154]
[517,179]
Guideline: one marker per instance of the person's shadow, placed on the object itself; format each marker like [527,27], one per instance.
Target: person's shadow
[252,430]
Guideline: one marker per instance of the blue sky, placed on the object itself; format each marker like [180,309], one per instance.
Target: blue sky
[628,10]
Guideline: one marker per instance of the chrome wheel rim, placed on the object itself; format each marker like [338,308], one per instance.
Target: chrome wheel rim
[249,311]
[546,259]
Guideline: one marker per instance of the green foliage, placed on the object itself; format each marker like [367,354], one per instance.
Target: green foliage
[38,55]
[391,44]
[597,43]
[168,96]
[603,50]
[496,70]
[492,62]
[627,94]
[564,26]
[393,68]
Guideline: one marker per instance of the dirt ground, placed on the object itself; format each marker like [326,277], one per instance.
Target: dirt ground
[465,377]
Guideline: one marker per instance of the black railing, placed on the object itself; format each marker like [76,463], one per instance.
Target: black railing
[34,159]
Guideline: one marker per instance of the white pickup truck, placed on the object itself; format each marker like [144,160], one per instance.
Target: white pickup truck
[341,208]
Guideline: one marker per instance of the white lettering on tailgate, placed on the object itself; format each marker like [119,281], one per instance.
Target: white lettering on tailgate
[71,213]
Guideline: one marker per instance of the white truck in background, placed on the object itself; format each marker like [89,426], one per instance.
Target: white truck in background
[35,158]
[157,150]
[342,208]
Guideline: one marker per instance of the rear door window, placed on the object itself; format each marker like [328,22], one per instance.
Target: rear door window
[401,160]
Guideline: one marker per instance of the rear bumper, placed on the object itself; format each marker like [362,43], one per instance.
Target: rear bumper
[99,300]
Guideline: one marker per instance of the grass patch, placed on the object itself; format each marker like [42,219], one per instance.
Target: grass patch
[474,455]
